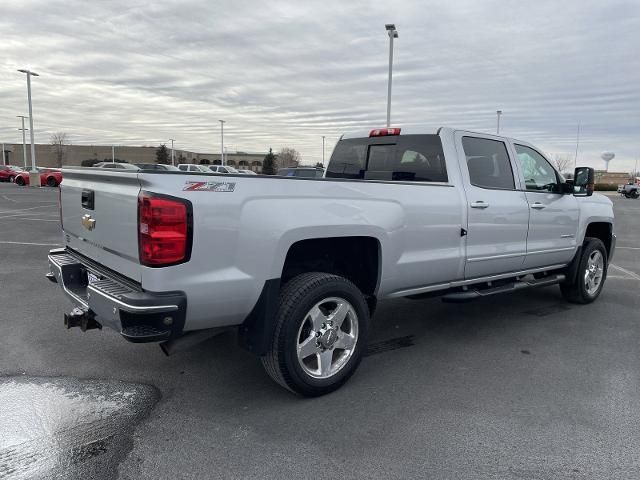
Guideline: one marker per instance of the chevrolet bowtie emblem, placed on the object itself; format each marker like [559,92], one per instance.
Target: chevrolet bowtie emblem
[88,222]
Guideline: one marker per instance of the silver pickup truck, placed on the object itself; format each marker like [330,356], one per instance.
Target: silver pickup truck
[296,265]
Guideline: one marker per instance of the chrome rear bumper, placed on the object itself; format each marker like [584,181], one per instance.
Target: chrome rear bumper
[140,316]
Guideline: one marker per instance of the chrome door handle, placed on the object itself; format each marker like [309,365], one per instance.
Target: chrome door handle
[538,206]
[479,204]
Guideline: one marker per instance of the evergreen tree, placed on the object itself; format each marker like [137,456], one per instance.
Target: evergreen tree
[269,166]
[162,154]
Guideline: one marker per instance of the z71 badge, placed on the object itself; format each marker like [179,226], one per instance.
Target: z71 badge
[209,186]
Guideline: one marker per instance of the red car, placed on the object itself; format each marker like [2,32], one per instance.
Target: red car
[48,177]
[8,172]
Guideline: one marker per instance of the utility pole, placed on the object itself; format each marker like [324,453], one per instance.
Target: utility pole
[173,159]
[393,33]
[34,176]
[498,113]
[221,141]
[4,158]
[24,141]
[575,159]
[322,151]
[113,154]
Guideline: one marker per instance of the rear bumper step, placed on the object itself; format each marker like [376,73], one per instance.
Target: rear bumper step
[101,299]
[468,295]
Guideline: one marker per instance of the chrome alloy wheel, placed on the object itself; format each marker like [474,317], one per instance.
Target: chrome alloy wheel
[594,272]
[327,337]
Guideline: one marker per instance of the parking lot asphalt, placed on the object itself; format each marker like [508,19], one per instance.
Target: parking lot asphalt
[515,386]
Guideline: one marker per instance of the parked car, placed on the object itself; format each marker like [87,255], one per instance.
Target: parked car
[247,172]
[116,165]
[222,169]
[8,172]
[453,213]
[306,172]
[193,167]
[630,190]
[159,167]
[48,176]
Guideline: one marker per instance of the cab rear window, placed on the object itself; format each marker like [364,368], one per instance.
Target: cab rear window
[408,158]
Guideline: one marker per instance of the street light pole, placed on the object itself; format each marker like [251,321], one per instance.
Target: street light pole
[222,122]
[575,159]
[24,141]
[323,151]
[4,158]
[113,154]
[34,172]
[498,113]
[393,33]
[173,159]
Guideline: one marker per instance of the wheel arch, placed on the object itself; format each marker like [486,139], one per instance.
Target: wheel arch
[602,230]
[357,258]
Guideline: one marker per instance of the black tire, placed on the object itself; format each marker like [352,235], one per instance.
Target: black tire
[634,194]
[51,182]
[11,178]
[577,292]
[20,181]
[297,298]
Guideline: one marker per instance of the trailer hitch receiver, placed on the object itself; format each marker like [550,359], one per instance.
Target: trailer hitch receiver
[85,319]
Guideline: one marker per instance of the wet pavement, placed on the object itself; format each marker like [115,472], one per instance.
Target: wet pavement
[68,428]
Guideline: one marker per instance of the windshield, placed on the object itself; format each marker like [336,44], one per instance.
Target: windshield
[232,170]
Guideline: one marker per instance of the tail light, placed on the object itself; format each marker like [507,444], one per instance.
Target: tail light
[384,132]
[164,230]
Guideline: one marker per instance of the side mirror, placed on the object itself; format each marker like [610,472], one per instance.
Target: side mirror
[583,181]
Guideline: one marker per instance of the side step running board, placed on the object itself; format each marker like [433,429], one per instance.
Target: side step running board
[468,295]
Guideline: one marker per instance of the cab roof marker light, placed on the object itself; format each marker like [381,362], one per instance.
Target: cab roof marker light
[384,132]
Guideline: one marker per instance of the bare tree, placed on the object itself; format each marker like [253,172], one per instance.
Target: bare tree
[288,157]
[59,145]
[562,162]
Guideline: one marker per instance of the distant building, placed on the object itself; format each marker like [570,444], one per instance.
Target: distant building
[46,156]
[614,178]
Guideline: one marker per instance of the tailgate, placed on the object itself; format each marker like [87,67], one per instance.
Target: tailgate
[100,217]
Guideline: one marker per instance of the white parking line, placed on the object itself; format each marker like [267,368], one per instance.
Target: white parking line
[629,248]
[633,275]
[32,219]
[20,216]
[7,242]
[9,199]
[30,208]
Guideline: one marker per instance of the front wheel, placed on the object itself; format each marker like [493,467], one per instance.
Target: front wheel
[51,182]
[592,272]
[320,336]
[634,194]
[20,181]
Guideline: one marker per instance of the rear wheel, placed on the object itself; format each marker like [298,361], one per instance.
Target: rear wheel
[12,178]
[592,273]
[20,181]
[51,182]
[320,336]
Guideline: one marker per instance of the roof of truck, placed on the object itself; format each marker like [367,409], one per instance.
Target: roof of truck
[413,130]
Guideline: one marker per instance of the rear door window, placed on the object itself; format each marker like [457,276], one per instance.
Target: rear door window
[488,163]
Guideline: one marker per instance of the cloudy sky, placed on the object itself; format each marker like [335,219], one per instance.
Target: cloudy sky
[284,73]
